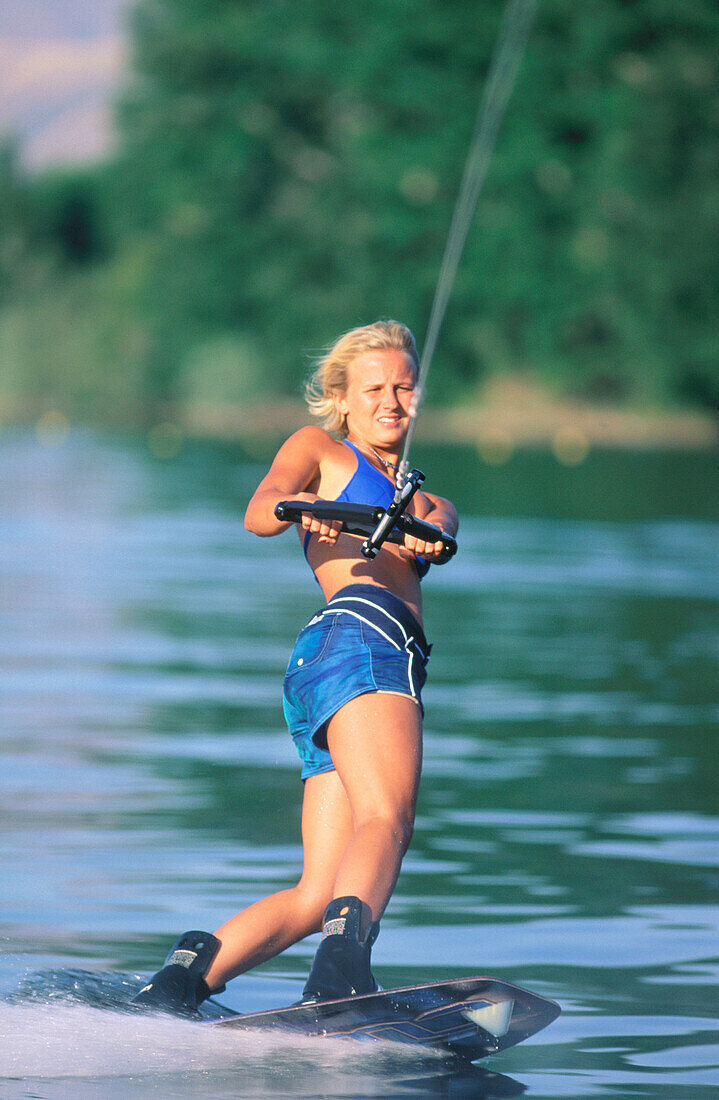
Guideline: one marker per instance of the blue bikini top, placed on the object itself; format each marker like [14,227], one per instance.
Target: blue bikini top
[368,486]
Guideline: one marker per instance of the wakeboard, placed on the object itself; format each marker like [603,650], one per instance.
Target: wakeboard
[469,1017]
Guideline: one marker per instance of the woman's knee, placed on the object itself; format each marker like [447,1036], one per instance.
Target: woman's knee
[403,830]
[397,826]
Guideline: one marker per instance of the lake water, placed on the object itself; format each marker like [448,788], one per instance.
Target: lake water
[567,835]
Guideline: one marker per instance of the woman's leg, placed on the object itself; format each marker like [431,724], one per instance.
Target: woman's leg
[356,826]
[376,746]
[274,923]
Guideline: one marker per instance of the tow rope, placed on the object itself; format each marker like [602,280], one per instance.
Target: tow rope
[501,78]
[504,67]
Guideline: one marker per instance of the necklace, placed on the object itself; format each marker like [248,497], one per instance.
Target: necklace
[385,461]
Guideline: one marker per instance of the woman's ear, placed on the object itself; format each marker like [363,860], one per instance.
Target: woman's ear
[341,403]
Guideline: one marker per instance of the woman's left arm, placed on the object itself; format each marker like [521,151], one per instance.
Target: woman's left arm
[437,510]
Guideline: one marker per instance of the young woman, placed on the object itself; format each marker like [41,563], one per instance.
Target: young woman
[352,693]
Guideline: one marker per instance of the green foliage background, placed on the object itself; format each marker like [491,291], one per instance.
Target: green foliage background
[287,171]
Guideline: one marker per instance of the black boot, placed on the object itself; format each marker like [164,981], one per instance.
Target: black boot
[180,986]
[341,966]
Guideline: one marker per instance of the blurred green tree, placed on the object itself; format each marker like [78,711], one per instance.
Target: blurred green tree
[287,171]
[293,184]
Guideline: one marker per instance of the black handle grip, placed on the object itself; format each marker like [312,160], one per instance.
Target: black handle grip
[362,519]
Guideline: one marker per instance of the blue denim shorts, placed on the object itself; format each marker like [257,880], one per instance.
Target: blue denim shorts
[364,640]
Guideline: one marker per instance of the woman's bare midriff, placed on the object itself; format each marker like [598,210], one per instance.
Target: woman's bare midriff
[337,566]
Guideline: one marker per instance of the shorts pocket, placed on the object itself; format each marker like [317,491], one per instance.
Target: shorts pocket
[311,645]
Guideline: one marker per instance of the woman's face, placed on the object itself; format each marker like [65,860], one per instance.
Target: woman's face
[380,385]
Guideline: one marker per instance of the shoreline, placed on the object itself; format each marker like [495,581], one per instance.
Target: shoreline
[506,417]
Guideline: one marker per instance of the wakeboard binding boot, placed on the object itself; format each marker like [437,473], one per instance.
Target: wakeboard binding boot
[180,987]
[341,966]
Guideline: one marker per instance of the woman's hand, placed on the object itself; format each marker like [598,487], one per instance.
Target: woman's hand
[326,530]
[441,514]
[430,551]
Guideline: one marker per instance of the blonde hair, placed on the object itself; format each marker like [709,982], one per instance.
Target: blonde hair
[329,379]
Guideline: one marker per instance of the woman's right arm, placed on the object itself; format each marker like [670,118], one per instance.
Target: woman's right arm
[294,473]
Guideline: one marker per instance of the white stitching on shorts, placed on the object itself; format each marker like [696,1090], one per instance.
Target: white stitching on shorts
[376,607]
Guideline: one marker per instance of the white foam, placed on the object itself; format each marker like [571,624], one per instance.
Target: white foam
[71,1050]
